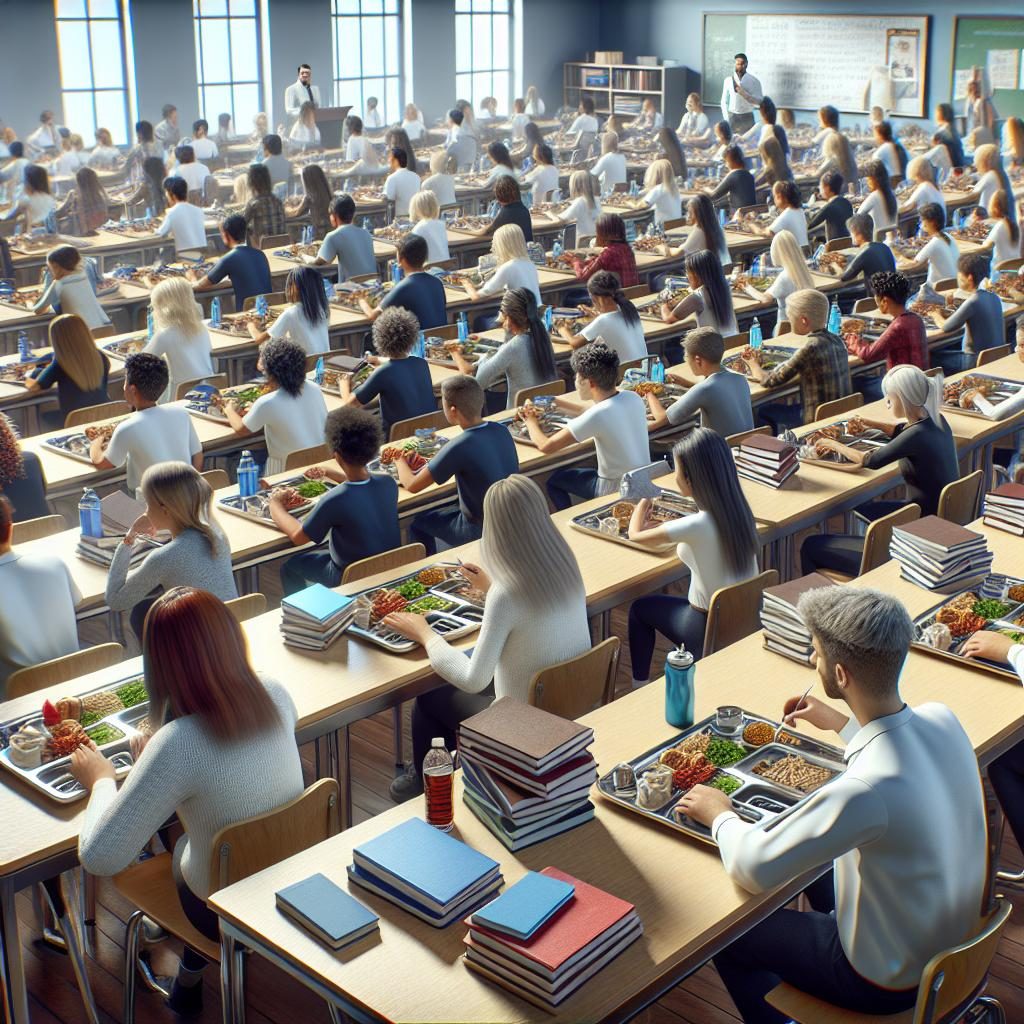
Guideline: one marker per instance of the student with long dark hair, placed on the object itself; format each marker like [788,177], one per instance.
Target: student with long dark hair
[945,128]
[738,184]
[881,204]
[672,151]
[89,206]
[707,233]
[710,298]
[616,253]
[306,320]
[501,161]
[35,205]
[890,151]
[941,252]
[316,200]
[264,213]
[617,324]
[768,128]
[1005,234]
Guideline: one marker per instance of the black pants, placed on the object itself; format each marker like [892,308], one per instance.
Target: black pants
[779,416]
[1006,773]
[566,483]
[309,567]
[673,617]
[203,919]
[447,525]
[802,949]
[439,712]
[840,551]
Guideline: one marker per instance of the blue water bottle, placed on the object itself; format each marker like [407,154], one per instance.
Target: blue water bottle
[318,371]
[723,217]
[396,272]
[556,248]
[149,322]
[328,289]
[215,312]
[835,318]
[755,334]
[149,213]
[261,305]
[463,327]
[25,354]
[816,258]
[549,318]
[634,188]
[90,517]
[679,685]
[755,267]
[658,370]
[421,345]
[248,475]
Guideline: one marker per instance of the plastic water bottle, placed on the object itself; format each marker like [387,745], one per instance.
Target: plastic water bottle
[755,267]
[421,345]
[816,258]
[149,213]
[396,272]
[556,248]
[634,188]
[658,371]
[835,318]
[438,788]
[679,685]
[149,322]
[367,224]
[89,513]
[25,354]
[261,305]
[215,311]
[318,371]
[723,217]
[556,195]
[463,327]
[527,163]
[328,289]
[248,475]
[755,334]
[549,317]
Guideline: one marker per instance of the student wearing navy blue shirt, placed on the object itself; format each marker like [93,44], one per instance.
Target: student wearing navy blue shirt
[359,516]
[246,268]
[481,455]
[419,292]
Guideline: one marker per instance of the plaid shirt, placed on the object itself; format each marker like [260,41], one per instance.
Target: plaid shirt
[824,368]
[617,257]
[264,215]
[903,341]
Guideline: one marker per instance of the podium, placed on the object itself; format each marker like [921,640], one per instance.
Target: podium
[331,122]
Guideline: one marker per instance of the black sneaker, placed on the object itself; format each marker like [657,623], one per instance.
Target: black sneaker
[406,786]
[186,1001]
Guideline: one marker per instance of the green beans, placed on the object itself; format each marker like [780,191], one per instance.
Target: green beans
[724,752]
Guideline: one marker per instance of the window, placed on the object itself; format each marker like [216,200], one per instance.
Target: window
[228,60]
[368,56]
[483,52]
[90,43]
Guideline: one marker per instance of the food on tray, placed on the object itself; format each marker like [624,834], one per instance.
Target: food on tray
[851,325]
[956,392]
[647,387]
[938,636]
[788,738]
[757,734]
[796,772]
[623,512]
[1016,593]
[833,432]
[133,693]
[431,576]
[393,453]
[65,738]
[724,752]
[989,608]
[429,603]
[242,397]
[26,747]
[385,602]
[829,260]
[90,708]
[104,733]
[311,489]
[726,783]
[698,743]
[411,589]
[104,430]
[696,770]
[654,787]
[289,497]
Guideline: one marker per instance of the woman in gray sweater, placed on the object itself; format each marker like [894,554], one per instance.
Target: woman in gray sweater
[179,501]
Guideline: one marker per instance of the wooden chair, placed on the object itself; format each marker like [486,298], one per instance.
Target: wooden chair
[741,340]
[238,851]
[218,380]
[94,413]
[958,501]
[677,222]
[385,561]
[735,440]
[275,241]
[785,327]
[945,283]
[452,264]
[35,529]
[990,355]
[273,299]
[865,306]
[735,612]
[933,371]
[553,387]
[636,291]
[407,428]
[216,478]
[843,242]
[306,457]
[247,607]
[60,670]
[756,208]
[449,332]
[1016,263]
[631,364]
[876,542]
[952,982]
[838,406]
[575,687]
[106,331]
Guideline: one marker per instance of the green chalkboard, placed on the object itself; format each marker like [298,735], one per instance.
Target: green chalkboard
[725,35]
[996,44]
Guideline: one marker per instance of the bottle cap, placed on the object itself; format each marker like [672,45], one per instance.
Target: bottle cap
[438,741]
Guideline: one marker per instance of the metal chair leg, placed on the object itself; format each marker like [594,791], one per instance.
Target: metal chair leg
[238,990]
[227,949]
[399,739]
[87,891]
[132,942]
[337,1017]
[69,924]
[996,1014]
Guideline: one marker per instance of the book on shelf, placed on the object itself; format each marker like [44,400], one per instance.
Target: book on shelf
[326,911]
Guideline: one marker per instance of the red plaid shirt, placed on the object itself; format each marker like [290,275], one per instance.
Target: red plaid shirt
[617,257]
[903,341]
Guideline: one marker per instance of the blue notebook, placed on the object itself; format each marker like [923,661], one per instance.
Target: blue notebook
[317,602]
[326,910]
[524,907]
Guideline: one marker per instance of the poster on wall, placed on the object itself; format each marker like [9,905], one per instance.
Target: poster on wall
[903,57]
[1002,69]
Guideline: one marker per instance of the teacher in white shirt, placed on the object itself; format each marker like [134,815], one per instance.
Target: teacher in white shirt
[907,874]
[741,96]
[301,91]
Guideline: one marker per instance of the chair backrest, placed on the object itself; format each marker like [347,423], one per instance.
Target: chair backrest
[635,291]
[553,387]
[34,529]
[676,222]
[990,355]
[1016,263]
[60,670]
[106,331]
[735,440]
[273,298]
[741,340]
[865,306]
[92,413]
[452,264]
[218,380]
[756,208]
[879,533]
[447,333]
[838,406]
[216,478]
[735,612]
[191,254]
[785,327]
[306,457]
[363,278]
[945,283]
[843,242]
[247,607]
[406,428]
[575,687]
[393,559]
[275,241]
[933,371]
[249,846]
[958,501]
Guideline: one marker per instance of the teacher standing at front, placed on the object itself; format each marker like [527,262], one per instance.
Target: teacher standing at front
[741,96]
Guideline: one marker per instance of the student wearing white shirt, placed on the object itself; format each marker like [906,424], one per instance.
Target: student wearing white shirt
[544,176]
[617,324]
[785,253]
[153,433]
[706,232]
[920,171]
[45,137]
[166,131]
[610,168]
[585,122]
[501,162]
[70,290]
[425,213]
[584,207]
[1005,234]
[788,202]
[515,268]
[291,415]
[179,335]
[441,180]
[189,169]
[104,153]
[889,151]
[372,117]
[413,124]
[401,184]
[362,150]
[694,127]
[939,156]
[305,322]
[900,891]
[14,170]
[649,119]
[881,204]
[184,221]
[72,156]
[202,145]
[941,252]
[992,175]
[534,104]
[741,94]
[519,120]
[461,142]
[301,91]
[661,192]
[710,298]
[35,205]
[304,133]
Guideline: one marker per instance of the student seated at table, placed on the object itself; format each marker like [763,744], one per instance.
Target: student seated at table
[278,166]
[425,214]
[661,193]
[945,128]
[615,253]
[461,144]
[980,315]
[441,180]
[585,122]
[401,184]
[198,765]
[836,209]
[922,174]
[515,269]
[873,257]
[940,156]
[543,176]
[649,119]
[722,398]
[774,166]
[617,324]
[315,202]
[291,415]
[512,210]
[617,422]
[672,151]
[610,168]
[184,221]
[359,517]
[70,289]
[706,232]
[738,184]
[889,152]
[225,133]
[34,207]
[768,129]
[205,148]
[412,122]
[104,154]
[723,140]
[150,190]
[710,298]
[821,363]
[501,162]
[694,127]
[152,433]
[1005,234]
[401,381]
[360,149]
[198,554]
[900,891]
[420,292]
[179,334]
[22,480]
[584,207]
[37,587]
[72,155]
[791,216]
[351,246]
[306,320]
[78,368]
[785,253]
[264,213]
[940,253]
[535,617]
[905,340]
[881,204]
[719,545]
[246,267]
[305,134]
[187,167]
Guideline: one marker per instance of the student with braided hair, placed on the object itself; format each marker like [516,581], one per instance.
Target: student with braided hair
[617,323]
[21,476]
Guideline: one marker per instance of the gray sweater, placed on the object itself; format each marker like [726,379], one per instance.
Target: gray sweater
[514,362]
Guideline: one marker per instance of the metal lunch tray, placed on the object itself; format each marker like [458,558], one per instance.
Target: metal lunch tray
[481,347]
[74,446]
[667,507]
[211,412]
[24,306]
[426,451]
[1004,390]
[550,424]
[257,506]
[772,356]
[868,440]
[755,800]
[17,372]
[124,348]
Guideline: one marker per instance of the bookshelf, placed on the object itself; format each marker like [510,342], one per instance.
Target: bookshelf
[622,88]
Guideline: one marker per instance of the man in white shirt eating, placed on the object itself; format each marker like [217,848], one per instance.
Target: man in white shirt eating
[908,874]
[183,220]
[741,96]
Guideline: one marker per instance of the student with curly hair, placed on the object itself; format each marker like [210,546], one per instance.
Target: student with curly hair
[22,480]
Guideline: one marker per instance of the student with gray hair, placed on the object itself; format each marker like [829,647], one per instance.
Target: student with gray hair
[908,875]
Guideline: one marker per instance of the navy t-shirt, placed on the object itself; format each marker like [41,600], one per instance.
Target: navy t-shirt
[248,270]
[477,458]
[404,387]
[70,396]
[361,517]
[422,295]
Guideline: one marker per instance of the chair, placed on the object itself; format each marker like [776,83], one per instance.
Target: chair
[677,222]
[273,299]
[636,291]
[990,355]
[553,387]
[1013,264]
[945,283]
[573,688]
[306,457]
[735,440]
[452,264]
[93,413]
[631,364]
[876,542]
[385,561]
[865,306]
[951,983]
[933,371]
[247,607]
[784,327]
[407,428]
[741,340]
[735,612]
[843,242]
[216,478]
[838,406]
[756,208]
[106,331]
[60,670]
[238,851]
[449,332]
[218,380]
[958,501]
[275,241]
[36,529]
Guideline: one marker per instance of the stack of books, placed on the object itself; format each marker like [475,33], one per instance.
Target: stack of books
[326,911]
[939,555]
[426,872]
[766,460]
[315,617]
[118,511]
[578,937]
[526,773]
[1004,508]
[784,630]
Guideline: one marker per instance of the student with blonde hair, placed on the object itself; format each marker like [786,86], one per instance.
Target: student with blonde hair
[240,189]
[441,180]
[425,214]
[920,171]
[1013,141]
[991,175]
[534,104]
[610,168]
[785,253]
[774,165]
[179,334]
[661,192]
[838,156]
[1005,234]
[515,268]
[649,119]
[412,123]
[694,127]
[78,367]
[584,207]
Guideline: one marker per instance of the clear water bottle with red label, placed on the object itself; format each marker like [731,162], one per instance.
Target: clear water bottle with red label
[439,785]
